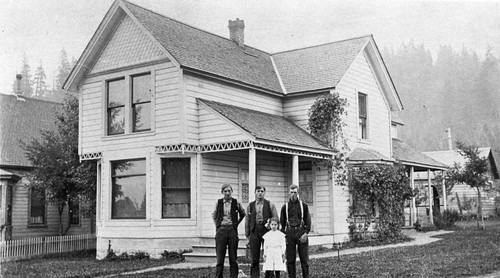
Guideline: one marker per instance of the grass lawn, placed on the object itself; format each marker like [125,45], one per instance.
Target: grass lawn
[466,252]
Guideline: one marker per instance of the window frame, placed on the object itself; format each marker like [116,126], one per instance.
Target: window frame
[190,189]
[129,114]
[146,185]
[70,212]
[44,223]
[363,117]
[304,171]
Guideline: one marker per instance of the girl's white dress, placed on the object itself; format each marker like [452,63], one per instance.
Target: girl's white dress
[274,248]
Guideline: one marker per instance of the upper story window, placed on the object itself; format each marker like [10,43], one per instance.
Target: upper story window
[37,207]
[363,116]
[129,104]
[128,189]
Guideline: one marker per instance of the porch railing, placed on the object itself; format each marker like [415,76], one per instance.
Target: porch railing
[28,247]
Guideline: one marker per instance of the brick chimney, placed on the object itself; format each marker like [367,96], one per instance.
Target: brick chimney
[19,91]
[236,31]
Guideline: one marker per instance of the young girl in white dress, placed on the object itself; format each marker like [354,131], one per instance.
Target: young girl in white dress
[274,250]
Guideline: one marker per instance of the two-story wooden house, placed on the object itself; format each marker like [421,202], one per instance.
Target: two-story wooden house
[170,112]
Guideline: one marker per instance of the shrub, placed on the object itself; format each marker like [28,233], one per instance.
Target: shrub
[173,254]
[447,219]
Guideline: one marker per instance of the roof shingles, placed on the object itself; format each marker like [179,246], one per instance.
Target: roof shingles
[317,67]
[22,121]
[209,53]
[267,126]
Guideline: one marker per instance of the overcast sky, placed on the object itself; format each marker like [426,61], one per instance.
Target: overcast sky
[42,28]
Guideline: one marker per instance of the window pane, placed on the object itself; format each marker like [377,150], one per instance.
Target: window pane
[362,105]
[129,197]
[117,93]
[141,88]
[37,206]
[129,189]
[128,167]
[142,116]
[177,173]
[116,120]
[176,188]
[74,212]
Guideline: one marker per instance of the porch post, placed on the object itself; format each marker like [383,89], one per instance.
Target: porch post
[431,217]
[252,179]
[413,202]
[445,206]
[295,169]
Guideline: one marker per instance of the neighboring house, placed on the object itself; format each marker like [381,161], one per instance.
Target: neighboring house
[463,194]
[24,212]
[170,112]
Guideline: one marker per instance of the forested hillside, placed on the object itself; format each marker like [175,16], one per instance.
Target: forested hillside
[454,89]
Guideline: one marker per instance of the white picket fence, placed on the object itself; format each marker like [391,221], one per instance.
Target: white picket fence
[28,247]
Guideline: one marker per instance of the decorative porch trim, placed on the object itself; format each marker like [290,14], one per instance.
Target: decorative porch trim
[278,149]
[90,156]
[239,145]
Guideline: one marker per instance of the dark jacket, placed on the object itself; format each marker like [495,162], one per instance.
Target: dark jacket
[235,210]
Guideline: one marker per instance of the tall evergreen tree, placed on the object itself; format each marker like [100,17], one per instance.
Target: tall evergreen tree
[26,81]
[39,82]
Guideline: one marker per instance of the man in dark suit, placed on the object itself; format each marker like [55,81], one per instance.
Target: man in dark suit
[259,212]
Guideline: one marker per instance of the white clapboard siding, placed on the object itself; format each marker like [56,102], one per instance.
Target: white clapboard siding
[216,91]
[166,111]
[214,129]
[323,217]
[297,109]
[360,78]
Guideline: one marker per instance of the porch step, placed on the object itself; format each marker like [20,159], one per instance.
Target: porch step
[206,253]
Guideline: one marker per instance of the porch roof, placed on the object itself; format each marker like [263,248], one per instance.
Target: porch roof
[268,128]
[359,155]
[409,156]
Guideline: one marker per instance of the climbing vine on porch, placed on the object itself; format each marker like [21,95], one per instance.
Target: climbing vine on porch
[385,187]
[325,122]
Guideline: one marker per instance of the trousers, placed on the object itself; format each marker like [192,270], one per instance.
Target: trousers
[256,241]
[292,244]
[226,238]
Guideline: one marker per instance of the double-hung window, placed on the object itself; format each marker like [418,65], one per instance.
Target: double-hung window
[306,182]
[128,189]
[129,104]
[363,116]
[74,212]
[176,187]
[37,206]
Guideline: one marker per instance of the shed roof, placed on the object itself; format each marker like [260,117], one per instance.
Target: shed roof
[367,155]
[409,156]
[267,127]
[22,120]
[317,67]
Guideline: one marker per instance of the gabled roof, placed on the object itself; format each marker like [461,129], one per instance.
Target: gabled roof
[21,120]
[450,157]
[367,155]
[409,156]
[301,70]
[317,67]
[267,127]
